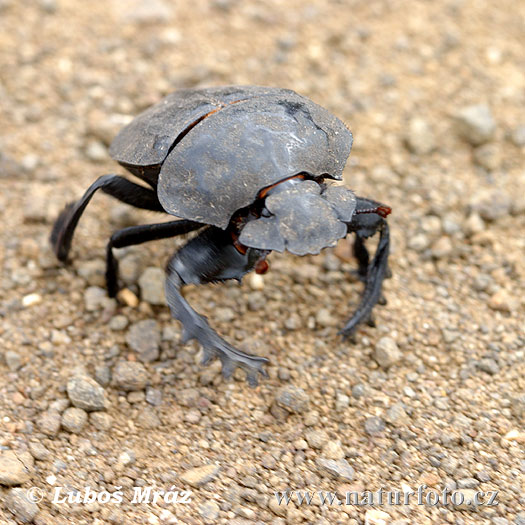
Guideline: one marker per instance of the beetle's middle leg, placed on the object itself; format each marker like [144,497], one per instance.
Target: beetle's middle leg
[211,257]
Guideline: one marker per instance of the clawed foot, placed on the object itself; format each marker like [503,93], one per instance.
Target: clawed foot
[215,346]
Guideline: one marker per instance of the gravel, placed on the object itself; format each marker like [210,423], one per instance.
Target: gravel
[454,304]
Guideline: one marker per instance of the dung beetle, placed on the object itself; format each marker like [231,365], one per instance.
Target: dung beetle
[250,167]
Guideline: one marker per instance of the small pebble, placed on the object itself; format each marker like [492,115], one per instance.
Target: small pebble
[31,299]
[209,511]
[127,297]
[474,224]
[374,425]
[396,415]
[337,469]
[489,366]
[491,205]
[467,483]
[316,438]
[13,360]
[49,422]
[256,282]
[475,124]
[517,406]
[292,398]
[131,267]
[386,352]
[144,338]
[342,401]
[518,136]
[224,314]
[148,418]
[136,397]
[103,375]
[153,396]
[39,451]
[74,419]
[488,156]
[196,477]
[130,376]
[94,272]
[118,323]
[100,420]
[12,469]
[358,390]
[420,138]
[333,450]
[442,248]
[502,301]
[377,517]
[59,405]
[96,151]
[19,503]
[325,318]
[94,298]
[151,284]
[419,242]
[86,393]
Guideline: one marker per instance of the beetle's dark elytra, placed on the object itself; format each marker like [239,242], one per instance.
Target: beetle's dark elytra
[251,167]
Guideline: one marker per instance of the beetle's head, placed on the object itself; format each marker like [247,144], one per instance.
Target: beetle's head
[300,215]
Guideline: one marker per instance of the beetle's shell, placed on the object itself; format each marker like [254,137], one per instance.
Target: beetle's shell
[217,148]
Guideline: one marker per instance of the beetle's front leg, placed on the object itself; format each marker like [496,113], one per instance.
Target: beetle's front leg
[369,219]
[210,257]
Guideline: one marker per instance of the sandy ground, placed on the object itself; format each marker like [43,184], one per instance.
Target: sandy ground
[433,395]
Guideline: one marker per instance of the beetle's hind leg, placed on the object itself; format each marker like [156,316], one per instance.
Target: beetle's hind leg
[114,185]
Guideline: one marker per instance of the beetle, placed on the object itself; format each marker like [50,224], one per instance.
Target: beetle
[252,168]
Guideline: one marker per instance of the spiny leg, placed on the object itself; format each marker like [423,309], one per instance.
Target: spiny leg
[362,256]
[369,218]
[211,257]
[373,284]
[137,235]
[114,185]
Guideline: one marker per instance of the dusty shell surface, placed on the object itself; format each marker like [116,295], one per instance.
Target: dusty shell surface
[444,410]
